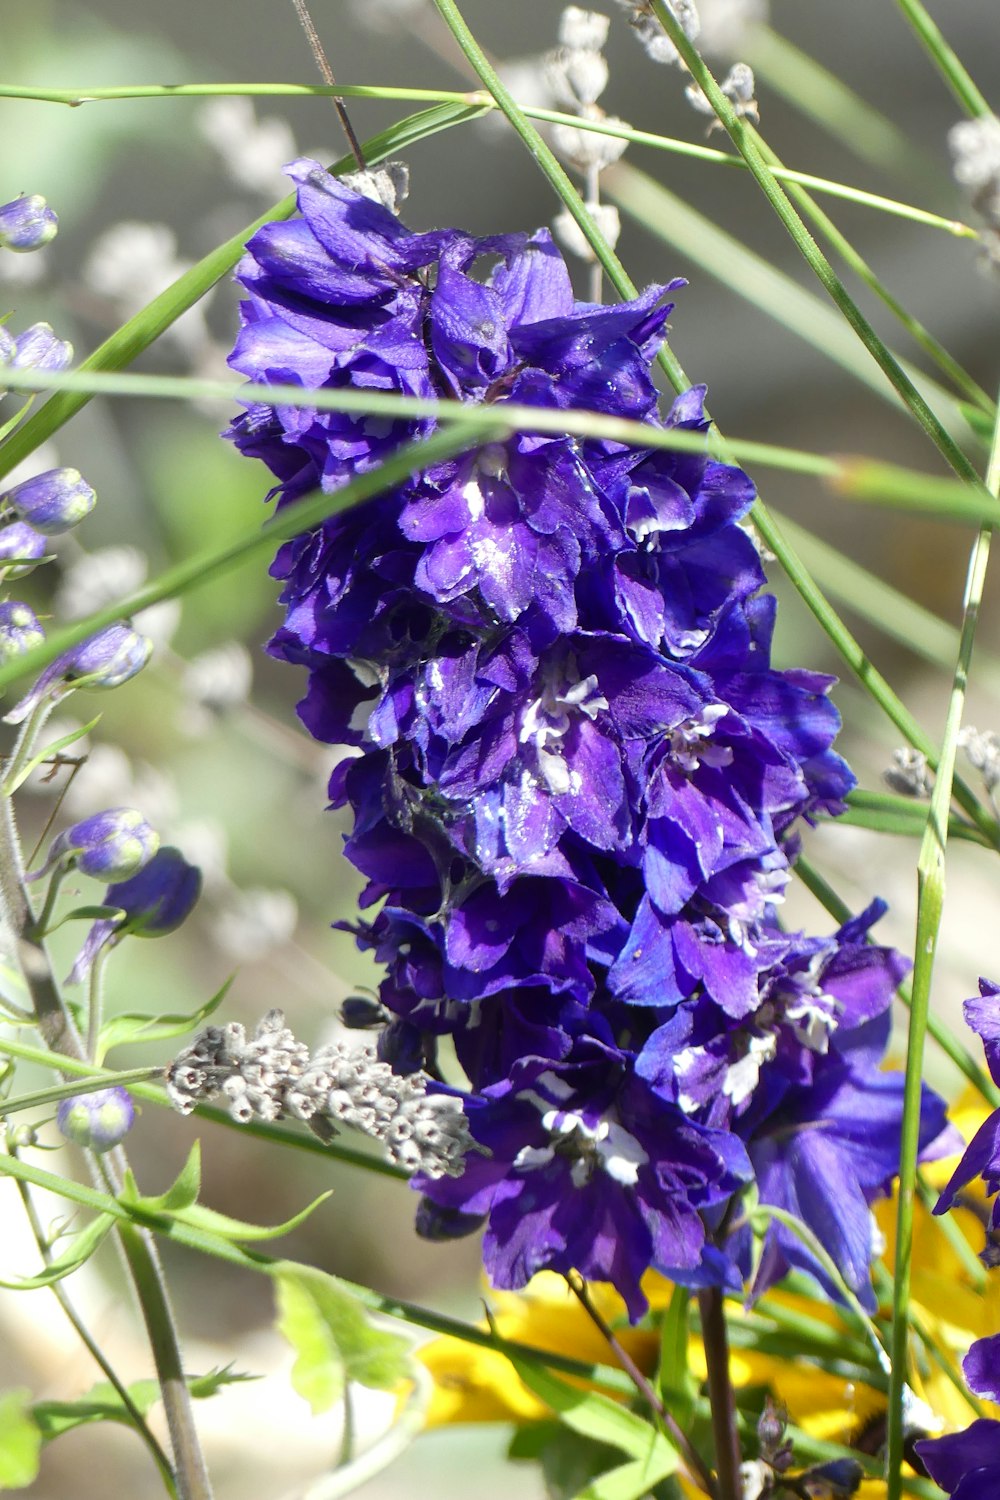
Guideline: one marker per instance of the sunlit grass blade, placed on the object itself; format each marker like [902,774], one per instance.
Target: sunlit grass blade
[129,341]
[750,276]
[930,905]
[944,57]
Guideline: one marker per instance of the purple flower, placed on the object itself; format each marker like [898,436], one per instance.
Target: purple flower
[38,348]
[98,1120]
[967,1464]
[152,903]
[982,1158]
[27,223]
[586,1170]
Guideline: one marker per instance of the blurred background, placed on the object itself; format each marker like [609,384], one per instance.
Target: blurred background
[209,747]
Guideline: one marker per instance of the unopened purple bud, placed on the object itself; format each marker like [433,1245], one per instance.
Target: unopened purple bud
[37,348]
[27,223]
[112,845]
[21,547]
[19,630]
[98,1120]
[53,501]
[105,660]
[160,897]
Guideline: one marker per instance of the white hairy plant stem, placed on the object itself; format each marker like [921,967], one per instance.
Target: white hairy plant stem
[55,1026]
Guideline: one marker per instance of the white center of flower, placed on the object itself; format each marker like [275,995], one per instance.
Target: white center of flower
[605,1145]
[690,744]
[547,720]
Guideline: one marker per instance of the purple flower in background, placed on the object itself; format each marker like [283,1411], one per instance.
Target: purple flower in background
[21,547]
[105,660]
[19,629]
[112,845]
[982,1158]
[967,1464]
[576,777]
[52,502]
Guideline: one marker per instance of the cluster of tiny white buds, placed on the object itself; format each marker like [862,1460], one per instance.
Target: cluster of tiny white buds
[577,73]
[738,87]
[271,1076]
[982,750]
[975,149]
[909,774]
[215,682]
[253,151]
[657,45]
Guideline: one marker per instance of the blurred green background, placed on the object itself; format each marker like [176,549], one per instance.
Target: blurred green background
[240,786]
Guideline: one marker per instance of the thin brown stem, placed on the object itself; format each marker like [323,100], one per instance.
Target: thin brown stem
[715,1339]
[689,1453]
[326,72]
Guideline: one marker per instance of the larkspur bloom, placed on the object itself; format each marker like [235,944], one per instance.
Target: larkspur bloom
[105,660]
[967,1464]
[19,629]
[982,1159]
[576,777]
[21,549]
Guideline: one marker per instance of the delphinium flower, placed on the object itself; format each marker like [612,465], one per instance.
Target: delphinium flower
[27,223]
[99,1120]
[967,1464]
[982,1159]
[576,778]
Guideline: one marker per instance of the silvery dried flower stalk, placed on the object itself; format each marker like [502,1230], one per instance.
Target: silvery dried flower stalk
[909,773]
[271,1076]
[738,87]
[577,73]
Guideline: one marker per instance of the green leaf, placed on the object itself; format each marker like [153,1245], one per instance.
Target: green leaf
[79,1250]
[48,752]
[598,1417]
[102,1402]
[20,1441]
[135,1027]
[333,1339]
[180,1203]
[676,1383]
[632,1480]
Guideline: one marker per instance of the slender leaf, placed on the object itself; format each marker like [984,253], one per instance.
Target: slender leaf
[132,1026]
[595,1416]
[20,1441]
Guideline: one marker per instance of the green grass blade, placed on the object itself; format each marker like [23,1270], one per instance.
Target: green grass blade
[147,325]
[945,59]
[753,278]
[884,812]
[930,905]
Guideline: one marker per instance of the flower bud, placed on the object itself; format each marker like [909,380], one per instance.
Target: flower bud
[27,223]
[583,30]
[53,501]
[19,630]
[37,348]
[105,660]
[112,845]
[21,547]
[98,1120]
[153,903]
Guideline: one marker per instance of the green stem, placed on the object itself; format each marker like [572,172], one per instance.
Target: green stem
[95,1002]
[49,904]
[77,1086]
[930,904]
[94,1349]
[944,58]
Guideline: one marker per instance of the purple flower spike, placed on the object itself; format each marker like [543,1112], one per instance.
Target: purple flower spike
[96,1121]
[153,903]
[27,223]
[52,502]
[105,660]
[965,1464]
[21,548]
[112,845]
[982,1158]
[19,630]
